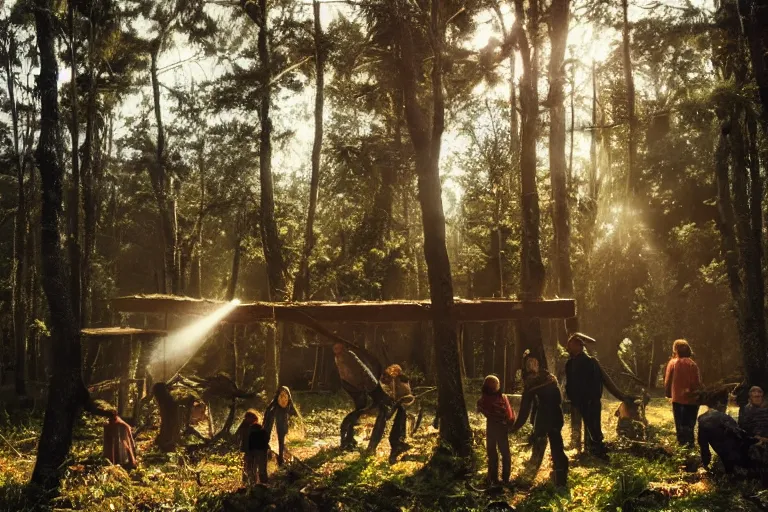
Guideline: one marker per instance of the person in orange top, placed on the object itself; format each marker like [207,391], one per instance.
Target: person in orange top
[681,381]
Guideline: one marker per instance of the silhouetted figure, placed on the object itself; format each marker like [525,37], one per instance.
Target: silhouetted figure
[584,388]
[499,416]
[397,386]
[359,381]
[254,443]
[540,387]
[721,432]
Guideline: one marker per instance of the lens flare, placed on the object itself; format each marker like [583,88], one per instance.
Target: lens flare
[179,346]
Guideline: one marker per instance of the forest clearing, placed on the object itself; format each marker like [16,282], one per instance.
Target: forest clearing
[383,255]
[644,478]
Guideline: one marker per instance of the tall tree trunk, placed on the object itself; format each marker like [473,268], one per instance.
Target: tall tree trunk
[197,266]
[19,300]
[162,187]
[755,21]
[740,248]
[532,272]
[629,85]
[454,422]
[74,190]
[558,34]
[31,292]
[90,207]
[573,128]
[301,289]
[592,181]
[66,394]
[270,240]
[232,286]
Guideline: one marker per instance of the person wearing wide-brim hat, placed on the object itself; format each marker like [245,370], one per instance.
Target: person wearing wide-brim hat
[541,387]
[584,388]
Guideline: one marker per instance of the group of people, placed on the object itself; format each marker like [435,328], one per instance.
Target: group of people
[387,396]
[542,398]
[254,437]
[738,444]
[742,444]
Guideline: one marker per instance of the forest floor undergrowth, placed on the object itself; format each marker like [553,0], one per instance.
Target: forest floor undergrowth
[653,476]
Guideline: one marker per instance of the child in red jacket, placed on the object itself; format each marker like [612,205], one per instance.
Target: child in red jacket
[494,405]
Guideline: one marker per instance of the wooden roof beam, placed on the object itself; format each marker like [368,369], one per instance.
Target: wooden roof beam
[350,312]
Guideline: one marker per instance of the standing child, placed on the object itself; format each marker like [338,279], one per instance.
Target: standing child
[254,444]
[277,414]
[494,405]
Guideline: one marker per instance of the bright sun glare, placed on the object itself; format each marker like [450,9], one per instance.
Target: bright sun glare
[176,349]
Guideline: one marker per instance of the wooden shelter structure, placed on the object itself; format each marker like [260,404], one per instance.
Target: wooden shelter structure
[486,310]
[317,315]
[121,346]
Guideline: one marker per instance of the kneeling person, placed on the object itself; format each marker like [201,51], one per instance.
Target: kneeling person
[718,430]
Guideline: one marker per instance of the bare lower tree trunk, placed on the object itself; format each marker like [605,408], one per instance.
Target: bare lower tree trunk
[532,269]
[90,206]
[302,287]
[74,196]
[270,240]
[755,20]
[629,84]
[19,301]
[454,422]
[741,250]
[162,186]
[558,33]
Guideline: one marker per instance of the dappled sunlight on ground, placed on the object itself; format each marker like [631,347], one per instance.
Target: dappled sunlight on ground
[320,475]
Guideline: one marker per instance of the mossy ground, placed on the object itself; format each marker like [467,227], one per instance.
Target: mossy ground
[640,477]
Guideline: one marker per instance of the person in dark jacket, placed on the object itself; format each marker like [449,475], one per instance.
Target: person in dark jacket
[540,388]
[754,417]
[584,388]
[494,405]
[721,432]
[279,410]
[359,381]
[254,443]
[397,386]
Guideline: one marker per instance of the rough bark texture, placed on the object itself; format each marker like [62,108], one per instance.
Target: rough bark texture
[741,248]
[90,196]
[454,422]
[558,33]
[19,300]
[629,84]
[66,394]
[74,186]
[270,240]
[302,287]
[162,186]
[532,273]
[755,14]
[232,286]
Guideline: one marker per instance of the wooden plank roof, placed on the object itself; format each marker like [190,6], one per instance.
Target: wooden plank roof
[109,332]
[348,312]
